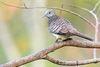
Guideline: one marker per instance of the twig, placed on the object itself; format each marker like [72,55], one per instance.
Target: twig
[43,54]
[98,11]
[96,6]
[61,10]
[24,7]
[71,63]
[89,3]
[81,9]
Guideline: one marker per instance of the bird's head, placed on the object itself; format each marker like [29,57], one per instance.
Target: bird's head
[49,13]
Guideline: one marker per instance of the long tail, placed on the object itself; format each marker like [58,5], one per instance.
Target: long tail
[83,36]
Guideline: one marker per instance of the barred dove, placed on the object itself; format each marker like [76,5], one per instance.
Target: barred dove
[61,28]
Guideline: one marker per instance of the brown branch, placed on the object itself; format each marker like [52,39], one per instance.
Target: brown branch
[71,63]
[43,54]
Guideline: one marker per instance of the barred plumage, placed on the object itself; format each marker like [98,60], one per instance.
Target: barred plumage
[61,28]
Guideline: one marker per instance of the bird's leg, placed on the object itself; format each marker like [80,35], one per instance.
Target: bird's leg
[68,39]
[58,40]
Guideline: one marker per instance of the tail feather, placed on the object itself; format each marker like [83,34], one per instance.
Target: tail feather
[83,36]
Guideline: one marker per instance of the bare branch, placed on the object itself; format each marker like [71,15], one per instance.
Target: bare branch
[13,5]
[21,7]
[61,10]
[24,7]
[98,11]
[43,54]
[80,15]
[96,6]
[96,26]
[71,63]
[89,3]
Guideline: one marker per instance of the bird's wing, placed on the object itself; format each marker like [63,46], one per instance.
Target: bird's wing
[65,27]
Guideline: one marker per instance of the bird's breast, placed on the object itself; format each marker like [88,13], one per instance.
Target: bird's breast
[53,27]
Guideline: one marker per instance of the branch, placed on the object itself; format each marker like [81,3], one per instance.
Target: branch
[71,63]
[24,7]
[98,11]
[96,6]
[81,9]
[43,54]
[89,3]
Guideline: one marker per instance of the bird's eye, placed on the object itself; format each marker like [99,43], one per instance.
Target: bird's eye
[49,12]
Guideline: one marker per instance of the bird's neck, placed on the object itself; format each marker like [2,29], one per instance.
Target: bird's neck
[53,18]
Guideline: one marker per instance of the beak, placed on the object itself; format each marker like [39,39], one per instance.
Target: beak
[43,16]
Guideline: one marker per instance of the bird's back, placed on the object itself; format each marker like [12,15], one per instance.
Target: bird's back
[60,26]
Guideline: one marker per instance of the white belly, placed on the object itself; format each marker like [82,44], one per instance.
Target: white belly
[62,37]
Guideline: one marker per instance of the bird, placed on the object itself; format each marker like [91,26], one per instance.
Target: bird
[61,28]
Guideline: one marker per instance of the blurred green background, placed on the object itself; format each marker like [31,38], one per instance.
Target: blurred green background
[24,31]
